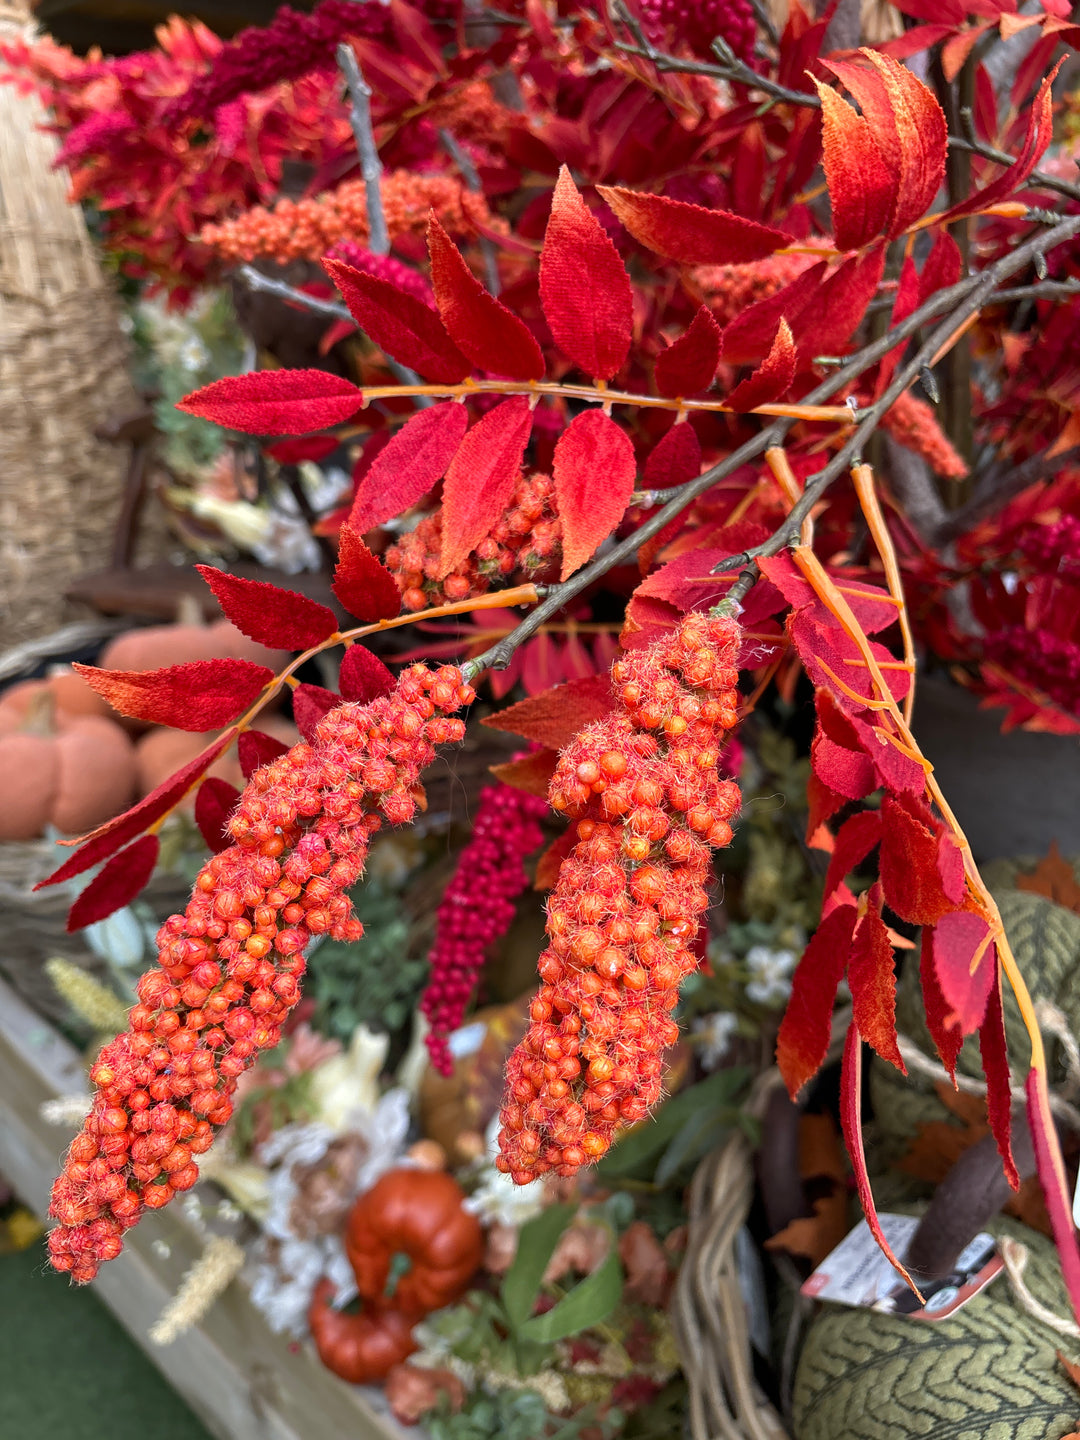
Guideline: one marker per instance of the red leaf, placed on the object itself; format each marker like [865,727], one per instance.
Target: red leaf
[594,471]
[554,718]
[872,978]
[806,1028]
[958,938]
[771,378]
[116,884]
[948,1038]
[851,1124]
[825,324]
[848,773]
[862,189]
[943,268]
[675,459]
[540,667]
[995,1063]
[750,335]
[909,872]
[275,402]
[482,327]
[584,287]
[854,841]
[310,447]
[550,862]
[279,618]
[907,300]
[215,801]
[254,748]
[363,676]
[1040,131]
[822,803]
[402,326]
[531,773]
[1055,1186]
[691,233]
[689,365]
[405,470]
[481,478]
[310,703]
[363,584]
[198,695]
[687,582]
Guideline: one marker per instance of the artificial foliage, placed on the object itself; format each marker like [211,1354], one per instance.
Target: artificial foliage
[628,373]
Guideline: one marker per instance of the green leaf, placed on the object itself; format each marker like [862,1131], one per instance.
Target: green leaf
[536,1245]
[699,1134]
[638,1149]
[586,1305]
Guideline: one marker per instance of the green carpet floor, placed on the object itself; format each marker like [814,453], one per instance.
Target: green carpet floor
[68,1371]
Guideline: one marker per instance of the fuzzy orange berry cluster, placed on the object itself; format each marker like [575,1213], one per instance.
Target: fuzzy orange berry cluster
[644,788]
[229,968]
[728,290]
[913,424]
[307,229]
[522,546]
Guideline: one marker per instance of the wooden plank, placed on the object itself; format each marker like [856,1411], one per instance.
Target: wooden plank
[242,1380]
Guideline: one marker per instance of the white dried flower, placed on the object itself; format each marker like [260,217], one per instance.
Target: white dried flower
[65,1110]
[771,969]
[713,1035]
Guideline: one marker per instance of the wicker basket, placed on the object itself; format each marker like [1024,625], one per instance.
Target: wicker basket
[63,371]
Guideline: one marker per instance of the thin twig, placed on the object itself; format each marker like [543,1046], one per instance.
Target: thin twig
[997,487]
[370,164]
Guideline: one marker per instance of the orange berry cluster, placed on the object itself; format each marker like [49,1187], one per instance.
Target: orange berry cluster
[229,968]
[728,290]
[307,229]
[524,543]
[644,788]
[913,424]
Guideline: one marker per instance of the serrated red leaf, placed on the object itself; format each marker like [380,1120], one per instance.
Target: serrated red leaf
[906,301]
[310,704]
[402,326]
[407,468]
[584,288]
[282,619]
[995,1062]
[1055,1185]
[942,268]
[1040,132]
[872,606]
[806,1029]
[540,664]
[851,1125]
[848,773]
[275,402]
[673,460]
[254,748]
[689,233]
[362,583]
[116,884]
[309,447]
[750,335]
[948,1038]
[688,366]
[531,773]
[594,471]
[198,695]
[771,378]
[822,804]
[862,188]
[363,676]
[909,871]
[687,582]
[481,478]
[555,717]
[482,328]
[958,938]
[215,801]
[829,654]
[827,321]
[872,978]
[854,840]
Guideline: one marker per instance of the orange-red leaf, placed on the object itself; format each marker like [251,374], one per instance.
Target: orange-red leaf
[405,469]
[948,1038]
[691,233]
[909,868]
[862,188]
[825,324]
[531,773]
[675,459]
[584,287]
[199,695]
[1040,131]
[275,402]
[872,978]
[363,676]
[806,1028]
[254,748]
[594,471]
[481,327]
[995,1063]
[116,884]
[279,618]
[771,378]
[401,325]
[215,801]
[310,704]
[481,478]
[854,840]
[750,335]
[362,583]
[689,365]
[556,716]
[965,963]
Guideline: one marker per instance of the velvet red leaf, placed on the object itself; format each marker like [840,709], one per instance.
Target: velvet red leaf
[584,287]
[849,773]
[363,676]
[687,582]
[402,326]
[550,862]
[310,704]
[688,366]
[691,233]
[405,469]
[254,748]
[826,323]
[862,189]
[481,327]
[481,478]
[554,718]
[854,840]
[995,1062]
[806,1028]
[1055,1185]
[771,378]
[821,803]
[116,884]
[962,941]
[673,460]
[279,618]
[851,1125]
[275,402]
[362,583]
[833,660]
[1040,131]
[909,870]
[198,695]
[308,447]
[531,773]
[872,979]
[947,1037]
[594,471]
[942,267]
[750,335]
[215,801]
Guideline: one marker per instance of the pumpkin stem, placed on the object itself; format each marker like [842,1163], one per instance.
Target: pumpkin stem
[189,611]
[400,1265]
[40,714]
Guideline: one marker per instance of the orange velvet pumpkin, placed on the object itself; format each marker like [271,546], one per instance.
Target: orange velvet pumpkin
[161,752]
[69,691]
[158,645]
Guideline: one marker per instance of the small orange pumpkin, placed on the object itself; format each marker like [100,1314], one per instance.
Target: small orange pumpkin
[162,751]
[159,645]
[69,691]
[359,1348]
